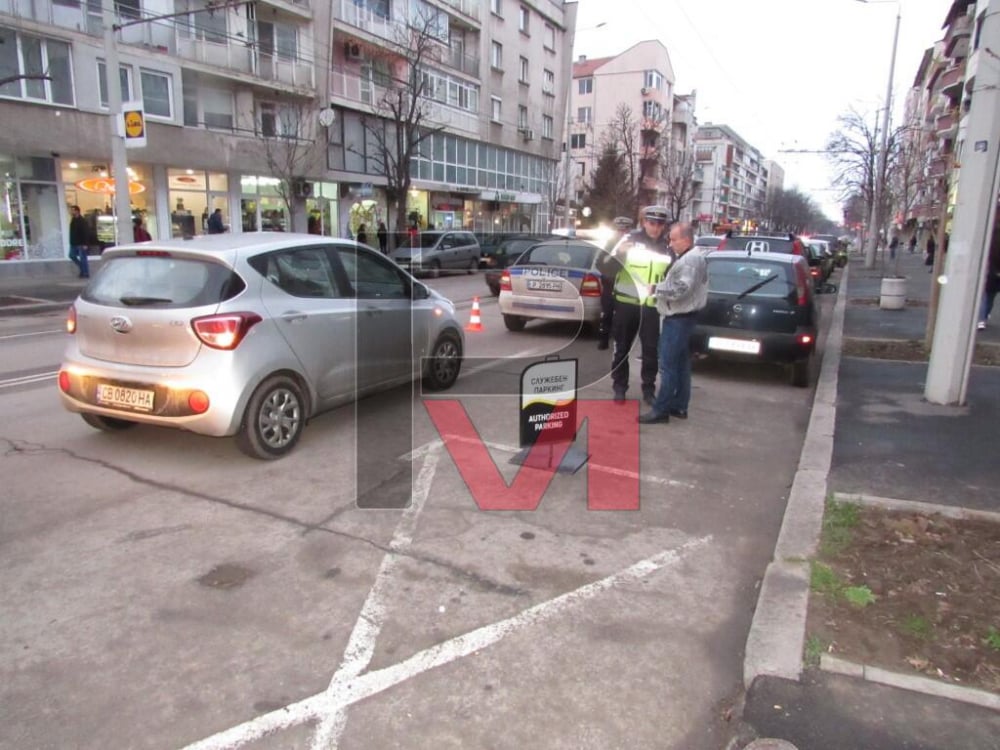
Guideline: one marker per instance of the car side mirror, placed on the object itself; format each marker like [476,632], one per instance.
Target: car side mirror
[419,291]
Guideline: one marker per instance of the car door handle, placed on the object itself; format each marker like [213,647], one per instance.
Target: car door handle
[372,310]
[294,317]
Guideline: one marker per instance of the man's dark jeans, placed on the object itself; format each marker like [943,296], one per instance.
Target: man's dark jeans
[675,364]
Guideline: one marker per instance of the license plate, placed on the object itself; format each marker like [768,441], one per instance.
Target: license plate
[542,285]
[125,398]
[733,345]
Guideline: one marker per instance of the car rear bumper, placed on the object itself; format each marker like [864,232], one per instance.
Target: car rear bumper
[585,309]
[773,347]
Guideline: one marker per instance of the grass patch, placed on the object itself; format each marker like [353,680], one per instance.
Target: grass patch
[917,626]
[823,580]
[815,647]
[859,596]
[992,638]
[839,521]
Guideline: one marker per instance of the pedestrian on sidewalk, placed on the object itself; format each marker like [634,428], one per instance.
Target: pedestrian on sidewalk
[79,239]
[893,246]
[929,255]
[992,286]
[913,243]
[679,297]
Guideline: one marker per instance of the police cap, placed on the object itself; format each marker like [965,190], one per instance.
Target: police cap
[656,213]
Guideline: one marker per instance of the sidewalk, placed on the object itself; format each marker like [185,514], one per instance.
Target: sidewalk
[872,433]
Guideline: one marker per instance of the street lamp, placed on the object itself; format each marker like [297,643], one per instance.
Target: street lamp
[880,165]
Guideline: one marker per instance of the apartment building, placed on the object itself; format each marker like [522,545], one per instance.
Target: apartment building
[642,79]
[222,82]
[735,180]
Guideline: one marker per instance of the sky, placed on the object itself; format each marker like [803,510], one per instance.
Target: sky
[778,72]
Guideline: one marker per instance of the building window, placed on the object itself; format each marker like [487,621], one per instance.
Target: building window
[125,75]
[584,114]
[522,117]
[586,86]
[581,169]
[157,97]
[522,19]
[218,108]
[653,80]
[200,23]
[277,121]
[550,37]
[128,9]
[25,55]
[652,110]
[547,126]
[525,66]
[495,109]
[578,140]
[280,39]
[548,82]
[496,55]
[496,7]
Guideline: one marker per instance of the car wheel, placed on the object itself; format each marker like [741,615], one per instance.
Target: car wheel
[273,421]
[800,373]
[107,424]
[434,269]
[514,322]
[444,363]
[473,265]
[494,289]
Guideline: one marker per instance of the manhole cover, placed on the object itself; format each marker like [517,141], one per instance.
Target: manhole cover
[225,576]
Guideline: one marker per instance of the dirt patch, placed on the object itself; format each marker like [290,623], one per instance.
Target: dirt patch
[908,350]
[910,592]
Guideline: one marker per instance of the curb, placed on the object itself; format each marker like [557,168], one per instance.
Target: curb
[777,633]
[912,506]
[914,683]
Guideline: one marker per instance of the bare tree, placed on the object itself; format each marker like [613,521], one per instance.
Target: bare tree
[402,114]
[287,134]
[677,172]
[622,135]
[792,211]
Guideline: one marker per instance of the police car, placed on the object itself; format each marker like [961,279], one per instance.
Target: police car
[553,280]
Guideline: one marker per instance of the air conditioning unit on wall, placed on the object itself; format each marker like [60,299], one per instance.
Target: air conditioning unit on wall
[527,134]
[352,51]
[644,91]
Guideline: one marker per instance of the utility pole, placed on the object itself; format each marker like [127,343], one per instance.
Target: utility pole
[880,167]
[119,160]
[975,209]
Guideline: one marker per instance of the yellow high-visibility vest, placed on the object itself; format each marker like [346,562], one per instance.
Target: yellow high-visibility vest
[641,268]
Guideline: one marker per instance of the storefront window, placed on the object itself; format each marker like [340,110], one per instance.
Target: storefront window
[90,186]
[193,195]
[263,207]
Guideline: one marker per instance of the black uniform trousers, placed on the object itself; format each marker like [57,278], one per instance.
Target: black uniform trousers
[628,321]
[607,307]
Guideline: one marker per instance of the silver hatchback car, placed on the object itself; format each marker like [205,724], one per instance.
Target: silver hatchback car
[249,335]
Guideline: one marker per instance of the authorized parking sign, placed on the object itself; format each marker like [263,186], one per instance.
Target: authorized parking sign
[548,402]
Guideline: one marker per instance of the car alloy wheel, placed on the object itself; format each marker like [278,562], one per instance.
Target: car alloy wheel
[444,364]
[273,420]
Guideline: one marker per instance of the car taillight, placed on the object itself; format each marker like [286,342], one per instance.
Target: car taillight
[801,287]
[805,339]
[64,381]
[590,286]
[224,331]
[71,319]
[814,271]
[152,253]
[505,281]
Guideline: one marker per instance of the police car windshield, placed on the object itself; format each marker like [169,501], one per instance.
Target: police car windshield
[572,256]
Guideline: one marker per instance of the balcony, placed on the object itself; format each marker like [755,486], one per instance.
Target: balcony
[360,16]
[353,91]
[952,80]
[468,8]
[458,60]
[939,167]
[246,59]
[956,39]
[946,124]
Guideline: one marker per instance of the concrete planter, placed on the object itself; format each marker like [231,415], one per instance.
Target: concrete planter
[893,293]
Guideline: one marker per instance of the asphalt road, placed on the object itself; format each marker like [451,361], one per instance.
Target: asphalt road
[162,590]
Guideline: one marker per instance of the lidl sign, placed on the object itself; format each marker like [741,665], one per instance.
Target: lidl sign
[134,124]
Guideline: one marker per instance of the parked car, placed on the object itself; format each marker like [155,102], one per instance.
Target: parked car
[837,245]
[552,280]
[820,263]
[709,241]
[435,251]
[763,243]
[506,253]
[249,335]
[761,307]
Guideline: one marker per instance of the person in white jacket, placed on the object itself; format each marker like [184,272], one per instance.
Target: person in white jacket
[679,297]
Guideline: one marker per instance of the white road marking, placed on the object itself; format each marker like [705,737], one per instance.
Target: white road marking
[343,692]
[39,377]
[434,445]
[31,333]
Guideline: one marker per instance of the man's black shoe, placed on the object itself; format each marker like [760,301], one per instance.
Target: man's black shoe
[649,396]
[652,417]
[619,396]
[679,414]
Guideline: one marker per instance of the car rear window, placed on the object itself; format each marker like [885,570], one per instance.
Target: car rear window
[754,244]
[737,275]
[163,282]
[573,256]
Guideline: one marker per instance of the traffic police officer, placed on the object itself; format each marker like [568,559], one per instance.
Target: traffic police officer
[644,255]
[623,225]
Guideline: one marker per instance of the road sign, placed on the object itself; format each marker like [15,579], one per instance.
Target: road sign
[134,124]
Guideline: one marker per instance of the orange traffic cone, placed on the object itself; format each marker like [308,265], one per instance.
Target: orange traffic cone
[475,322]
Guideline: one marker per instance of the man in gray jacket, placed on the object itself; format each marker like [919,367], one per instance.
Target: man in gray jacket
[679,297]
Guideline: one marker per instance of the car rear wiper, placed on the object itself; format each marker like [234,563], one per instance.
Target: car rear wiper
[755,287]
[136,301]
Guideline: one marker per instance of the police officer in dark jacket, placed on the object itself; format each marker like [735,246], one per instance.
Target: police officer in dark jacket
[643,257]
